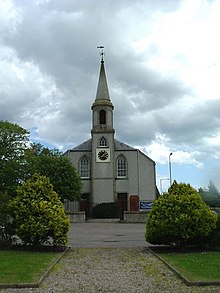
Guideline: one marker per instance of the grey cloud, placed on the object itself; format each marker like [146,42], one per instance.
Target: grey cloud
[190,126]
[60,38]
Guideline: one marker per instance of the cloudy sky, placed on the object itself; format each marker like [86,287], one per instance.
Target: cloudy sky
[162,63]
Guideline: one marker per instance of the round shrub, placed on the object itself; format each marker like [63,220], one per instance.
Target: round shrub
[105,210]
[179,216]
[38,213]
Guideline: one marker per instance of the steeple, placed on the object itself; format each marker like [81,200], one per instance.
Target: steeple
[102,90]
[102,95]
[102,107]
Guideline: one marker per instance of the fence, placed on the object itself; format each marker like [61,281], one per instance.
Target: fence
[71,206]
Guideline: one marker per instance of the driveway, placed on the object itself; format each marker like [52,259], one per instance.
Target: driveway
[107,234]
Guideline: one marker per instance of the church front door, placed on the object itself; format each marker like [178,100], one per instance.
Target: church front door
[85,205]
[122,204]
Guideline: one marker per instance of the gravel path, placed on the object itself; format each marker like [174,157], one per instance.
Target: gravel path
[118,270]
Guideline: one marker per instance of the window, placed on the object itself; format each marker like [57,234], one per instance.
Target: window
[102,117]
[103,142]
[121,166]
[84,167]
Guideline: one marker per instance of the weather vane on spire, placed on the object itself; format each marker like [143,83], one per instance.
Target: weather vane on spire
[102,53]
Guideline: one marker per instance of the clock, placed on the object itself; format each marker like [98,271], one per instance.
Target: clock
[102,155]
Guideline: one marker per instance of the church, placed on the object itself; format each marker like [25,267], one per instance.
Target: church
[111,171]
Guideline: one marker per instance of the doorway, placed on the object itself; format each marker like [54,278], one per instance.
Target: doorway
[85,205]
[122,199]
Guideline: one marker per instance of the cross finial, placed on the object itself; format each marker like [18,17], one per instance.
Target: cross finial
[102,53]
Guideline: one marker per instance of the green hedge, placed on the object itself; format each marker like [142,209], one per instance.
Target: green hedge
[105,210]
[179,217]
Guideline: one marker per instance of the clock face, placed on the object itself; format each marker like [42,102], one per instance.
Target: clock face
[103,155]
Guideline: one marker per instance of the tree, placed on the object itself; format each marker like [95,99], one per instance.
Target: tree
[59,169]
[20,159]
[38,213]
[213,189]
[6,227]
[210,195]
[179,217]
[13,144]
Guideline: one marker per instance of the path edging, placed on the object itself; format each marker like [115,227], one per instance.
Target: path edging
[42,278]
[180,276]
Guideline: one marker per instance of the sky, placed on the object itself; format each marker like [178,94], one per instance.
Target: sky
[162,61]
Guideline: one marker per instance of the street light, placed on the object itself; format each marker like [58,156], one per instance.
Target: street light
[170,168]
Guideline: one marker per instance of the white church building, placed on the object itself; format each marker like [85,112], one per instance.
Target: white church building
[111,171]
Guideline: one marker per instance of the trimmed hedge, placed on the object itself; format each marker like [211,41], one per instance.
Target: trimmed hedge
[179,217]
[105,210]
[38,213]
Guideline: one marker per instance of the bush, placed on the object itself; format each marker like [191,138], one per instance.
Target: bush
[179,217]
[38,213]
[6,225]
[213,239]
[105,210]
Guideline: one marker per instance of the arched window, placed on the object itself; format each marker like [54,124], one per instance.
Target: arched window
[102,117]
[121,166]
[103,142]
[84,167]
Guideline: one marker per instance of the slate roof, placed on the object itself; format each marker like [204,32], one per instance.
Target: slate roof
[87,146]
[121,146]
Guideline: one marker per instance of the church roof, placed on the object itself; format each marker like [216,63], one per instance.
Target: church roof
[85,146]
[121,146]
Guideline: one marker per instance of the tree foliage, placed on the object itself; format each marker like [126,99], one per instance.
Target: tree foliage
[13,144]
[213,240]
[38,213]
[59,169]
[210,195]
[179,216]
[20,159]
[6,227]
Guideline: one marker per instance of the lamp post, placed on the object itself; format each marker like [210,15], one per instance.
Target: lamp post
[170,168]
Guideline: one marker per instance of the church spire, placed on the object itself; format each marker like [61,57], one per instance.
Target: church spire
[102,90]
[102,107]
[102,94]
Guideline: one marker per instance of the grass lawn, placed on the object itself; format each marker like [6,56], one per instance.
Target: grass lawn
[195,266]
[24,266]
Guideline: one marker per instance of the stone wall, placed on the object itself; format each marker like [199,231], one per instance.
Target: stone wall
[76,217]
[135,217]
